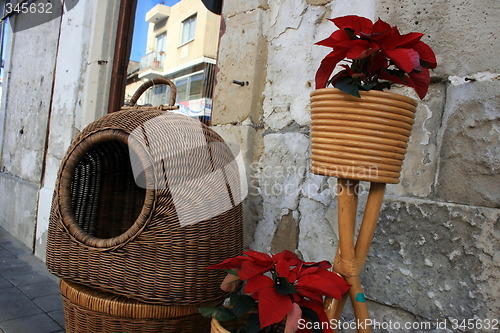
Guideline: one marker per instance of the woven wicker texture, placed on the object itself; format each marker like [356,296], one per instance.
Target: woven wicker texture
[360,138]
[88,310]
[145,241]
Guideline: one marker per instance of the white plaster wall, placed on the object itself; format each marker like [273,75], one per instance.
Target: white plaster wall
[80,90]
[29,70]
[57,78]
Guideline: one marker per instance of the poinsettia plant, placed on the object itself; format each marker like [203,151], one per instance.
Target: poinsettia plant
[376,57]
[269,289]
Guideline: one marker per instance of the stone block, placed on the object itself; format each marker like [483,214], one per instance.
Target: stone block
[279,178]
[289,82]
[470,151]
[266,227]
[242,57]
[247,145]
[286,235]
[390,319]
[354,7]
[421,161]
[235,7]
[435,260]
[461,33]
[316,187]
[317,239]
[18,200]
[318,2]
[282,168]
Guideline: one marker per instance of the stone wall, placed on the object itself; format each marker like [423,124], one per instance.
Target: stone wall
[435,254]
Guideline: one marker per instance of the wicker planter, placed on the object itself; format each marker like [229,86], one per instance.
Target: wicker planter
[360,138]
[109,233]
[216,327]
[88,310]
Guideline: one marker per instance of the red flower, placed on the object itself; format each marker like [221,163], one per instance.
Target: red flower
[253,263]
[377,52]
[273,306]
[281,282]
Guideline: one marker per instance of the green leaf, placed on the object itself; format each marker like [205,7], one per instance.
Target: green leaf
[368,86]
[242,304]
[232,271]
[311,316]
[220,313]
[350,33]
[398,73]
[284,287]
[347,85]
[253,323]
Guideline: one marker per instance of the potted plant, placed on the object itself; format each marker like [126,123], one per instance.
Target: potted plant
[274,293]
[359,132]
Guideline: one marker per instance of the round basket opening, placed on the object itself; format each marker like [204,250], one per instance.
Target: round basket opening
[101,204]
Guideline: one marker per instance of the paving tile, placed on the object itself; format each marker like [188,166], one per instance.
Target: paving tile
[49,303]
[40,323]
[23,279]
[6,255]
[14,267]
[16,248]
[58,316]
[39,289]
[4,283]
[14,304]
[30,298]
[5,238]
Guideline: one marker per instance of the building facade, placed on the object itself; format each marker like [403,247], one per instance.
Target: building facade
[435,254]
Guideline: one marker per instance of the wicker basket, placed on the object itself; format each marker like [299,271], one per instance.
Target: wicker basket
[360,138]
[88,310]
[147,235]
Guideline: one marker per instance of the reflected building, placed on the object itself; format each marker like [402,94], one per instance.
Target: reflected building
[182,47]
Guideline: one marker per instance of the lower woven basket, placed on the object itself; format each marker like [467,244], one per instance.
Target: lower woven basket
[88,310]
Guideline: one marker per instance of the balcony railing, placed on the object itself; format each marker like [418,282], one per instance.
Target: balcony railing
[153,60]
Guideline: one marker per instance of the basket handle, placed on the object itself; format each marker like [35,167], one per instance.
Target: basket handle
[150,83]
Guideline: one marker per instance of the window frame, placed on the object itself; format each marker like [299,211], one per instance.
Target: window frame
[188,85]
[183,41]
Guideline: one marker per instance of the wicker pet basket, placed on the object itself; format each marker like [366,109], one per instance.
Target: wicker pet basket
[146,230]
[88,310]
[360,138]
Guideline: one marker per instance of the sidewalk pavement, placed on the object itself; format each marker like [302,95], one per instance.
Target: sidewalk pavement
[30,300]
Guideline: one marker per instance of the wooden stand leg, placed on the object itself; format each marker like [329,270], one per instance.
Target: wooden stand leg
[370,218]
[351,258]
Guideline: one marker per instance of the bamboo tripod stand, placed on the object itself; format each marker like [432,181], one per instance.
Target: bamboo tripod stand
[351,256]
[364,139]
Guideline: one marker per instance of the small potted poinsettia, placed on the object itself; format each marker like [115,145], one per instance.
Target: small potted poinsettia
[273,293]
[357,130]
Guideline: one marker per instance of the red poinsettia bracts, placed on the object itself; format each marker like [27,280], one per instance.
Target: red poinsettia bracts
[378,54]
[282,285]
